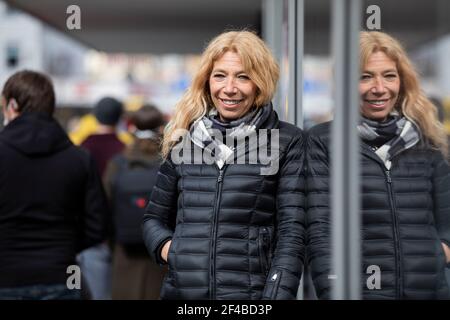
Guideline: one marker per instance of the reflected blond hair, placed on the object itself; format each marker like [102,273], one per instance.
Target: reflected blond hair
[258,63]
[412,102]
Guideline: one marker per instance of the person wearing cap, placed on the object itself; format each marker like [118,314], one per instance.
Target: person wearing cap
[103,145]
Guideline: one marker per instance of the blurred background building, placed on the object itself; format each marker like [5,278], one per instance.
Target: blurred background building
[146,51]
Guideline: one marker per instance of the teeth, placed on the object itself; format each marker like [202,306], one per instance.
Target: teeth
[377,102]
[231,101]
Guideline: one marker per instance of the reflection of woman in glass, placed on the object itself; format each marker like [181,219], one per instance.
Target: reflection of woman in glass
[405,182]
[226,230]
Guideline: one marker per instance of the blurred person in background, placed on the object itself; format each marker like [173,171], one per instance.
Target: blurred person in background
[129,180]
[80,127]
[52,204]
[229,230]
[405,182]
[103,145]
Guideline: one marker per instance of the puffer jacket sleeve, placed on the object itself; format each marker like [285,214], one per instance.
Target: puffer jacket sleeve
[288,257]
[159,219]
[318,214]
[441,197]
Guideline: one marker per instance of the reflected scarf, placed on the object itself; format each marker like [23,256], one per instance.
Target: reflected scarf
[390,137]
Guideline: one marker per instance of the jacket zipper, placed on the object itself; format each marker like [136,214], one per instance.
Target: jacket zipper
[275,279]
[398,267]
[264,249]
[212,278]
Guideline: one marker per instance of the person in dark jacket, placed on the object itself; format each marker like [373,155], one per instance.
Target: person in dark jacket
[405,183]
[128,177]
[52,204]
[228,220]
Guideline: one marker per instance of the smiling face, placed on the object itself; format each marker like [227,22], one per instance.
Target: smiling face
[379,86]
[232,91]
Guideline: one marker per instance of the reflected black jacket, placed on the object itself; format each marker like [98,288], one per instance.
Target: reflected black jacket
[52,204]
[238,234]
[405,217]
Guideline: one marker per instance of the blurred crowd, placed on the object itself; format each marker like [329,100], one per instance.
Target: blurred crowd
[85,197]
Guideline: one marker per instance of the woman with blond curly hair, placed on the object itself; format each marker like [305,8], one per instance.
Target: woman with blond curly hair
[226,217]
[405,182]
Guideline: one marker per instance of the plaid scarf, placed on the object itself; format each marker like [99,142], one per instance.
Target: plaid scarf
[390,137]
[204,135]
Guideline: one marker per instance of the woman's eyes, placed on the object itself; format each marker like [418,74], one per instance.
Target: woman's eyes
[389,76]
[240,77]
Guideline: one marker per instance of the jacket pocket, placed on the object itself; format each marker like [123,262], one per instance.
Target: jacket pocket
[170,254]
[441,258]
[264,249]
[272,285]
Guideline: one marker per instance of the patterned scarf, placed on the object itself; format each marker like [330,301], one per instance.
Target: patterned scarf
[204,132]
[390,137]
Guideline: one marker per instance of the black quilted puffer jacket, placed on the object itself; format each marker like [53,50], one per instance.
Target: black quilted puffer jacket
[405,217]
[235,234]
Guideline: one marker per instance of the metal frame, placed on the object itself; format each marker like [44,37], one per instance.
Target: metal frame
[346,245]
[271,31]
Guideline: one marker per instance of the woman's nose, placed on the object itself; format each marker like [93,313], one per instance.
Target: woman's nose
[230,87]
[379,86]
